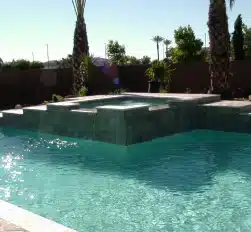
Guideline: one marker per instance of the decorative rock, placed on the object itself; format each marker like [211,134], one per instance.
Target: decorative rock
[18,107]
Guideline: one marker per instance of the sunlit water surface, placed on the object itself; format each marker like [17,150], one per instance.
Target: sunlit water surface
[196,181]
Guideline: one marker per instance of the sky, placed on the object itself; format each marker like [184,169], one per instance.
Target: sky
[27,26]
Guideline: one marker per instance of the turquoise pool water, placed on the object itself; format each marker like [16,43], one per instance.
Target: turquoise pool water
[196,181]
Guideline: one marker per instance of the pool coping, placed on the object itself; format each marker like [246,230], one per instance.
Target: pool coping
[29,221]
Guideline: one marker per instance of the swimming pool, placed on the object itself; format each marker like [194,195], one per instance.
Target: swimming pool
[195,181]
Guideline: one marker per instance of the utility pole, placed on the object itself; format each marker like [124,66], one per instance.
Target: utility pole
[32,57]
[105,51]
[47,46]
[163,51]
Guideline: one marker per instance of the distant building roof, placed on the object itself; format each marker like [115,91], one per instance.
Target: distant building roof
[98,61]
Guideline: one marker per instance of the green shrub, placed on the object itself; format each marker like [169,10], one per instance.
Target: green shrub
[57,98]
[82,92]
[163,90]
[21,64]
[118,91]
[240,99]
[162,72]
[36,65]
[188,90]
[6,66]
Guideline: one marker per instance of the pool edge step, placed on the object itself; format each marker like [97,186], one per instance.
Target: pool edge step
[29,221]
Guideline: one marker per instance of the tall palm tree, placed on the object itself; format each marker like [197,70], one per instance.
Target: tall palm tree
[157,39]
[80,47]
[1,62]
[219,46]
[167,42]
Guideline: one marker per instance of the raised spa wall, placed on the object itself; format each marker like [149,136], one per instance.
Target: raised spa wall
[127,125]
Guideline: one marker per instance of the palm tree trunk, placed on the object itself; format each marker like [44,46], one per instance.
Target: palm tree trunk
[219,47]
[158,50]
[80,49]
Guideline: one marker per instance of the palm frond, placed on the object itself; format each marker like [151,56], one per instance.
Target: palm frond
[231,3]
[74,6]
[79,6]
[167,42]
[157,39]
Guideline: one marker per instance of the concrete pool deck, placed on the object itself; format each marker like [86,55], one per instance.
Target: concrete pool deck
[13,218]
[103,117]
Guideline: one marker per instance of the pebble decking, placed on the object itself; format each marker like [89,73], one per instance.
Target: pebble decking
[101,118]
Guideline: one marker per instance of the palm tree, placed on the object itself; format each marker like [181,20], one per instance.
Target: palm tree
[219,46]
[167,42]
[157,39]
[1,62]
[80,47]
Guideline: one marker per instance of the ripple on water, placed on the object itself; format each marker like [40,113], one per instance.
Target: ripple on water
[197,181]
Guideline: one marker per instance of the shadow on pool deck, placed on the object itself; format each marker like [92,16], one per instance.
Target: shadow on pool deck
[184,162]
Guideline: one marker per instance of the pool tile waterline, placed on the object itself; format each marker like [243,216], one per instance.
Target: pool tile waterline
[104,118]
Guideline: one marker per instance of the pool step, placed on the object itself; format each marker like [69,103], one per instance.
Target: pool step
[180,97]
[35,108]
[85,110]
[246,114]
[228,107]
[6,113]
[34,116]
[12,117]
[22,118]
[63,106]
[13,112]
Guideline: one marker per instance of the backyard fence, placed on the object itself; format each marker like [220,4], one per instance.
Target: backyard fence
[30,87]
